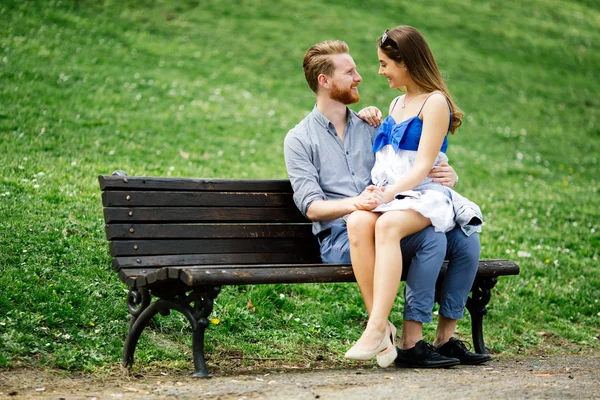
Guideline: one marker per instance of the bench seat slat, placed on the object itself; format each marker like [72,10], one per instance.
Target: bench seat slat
[132,198]
[492,268]
[268,274]
[202,214]
[215,259]
[211,246]
[206,231]
[198,275]
[240,275]
[108,182]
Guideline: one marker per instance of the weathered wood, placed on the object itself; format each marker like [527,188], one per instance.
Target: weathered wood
[108,182]
[132,198]
[142,247]
[240,274]
[490,268]
[214,259]
[202,214]
[268,274]
[181,239]
[205,231]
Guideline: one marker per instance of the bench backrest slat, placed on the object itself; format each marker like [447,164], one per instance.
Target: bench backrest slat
[202,214]
[133,198]
[213,259]
[120,248]
[204,231]
[114,182]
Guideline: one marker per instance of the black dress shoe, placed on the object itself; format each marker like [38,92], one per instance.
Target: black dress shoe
[457,349]
[423,355]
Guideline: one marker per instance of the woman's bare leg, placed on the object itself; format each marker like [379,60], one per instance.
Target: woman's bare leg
[361,235]
[390,228]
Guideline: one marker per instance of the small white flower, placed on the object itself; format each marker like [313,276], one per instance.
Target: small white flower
[523,254]
[281,296]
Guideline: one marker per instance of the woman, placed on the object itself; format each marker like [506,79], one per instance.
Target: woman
[411,140]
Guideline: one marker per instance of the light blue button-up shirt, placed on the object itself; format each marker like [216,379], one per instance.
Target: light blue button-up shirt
[321,166]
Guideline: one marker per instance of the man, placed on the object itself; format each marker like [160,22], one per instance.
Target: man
[329,159]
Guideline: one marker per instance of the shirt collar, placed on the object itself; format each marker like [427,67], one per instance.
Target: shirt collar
[323,121]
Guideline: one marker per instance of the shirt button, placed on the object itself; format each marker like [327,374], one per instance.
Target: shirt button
[347,152]
[353,174]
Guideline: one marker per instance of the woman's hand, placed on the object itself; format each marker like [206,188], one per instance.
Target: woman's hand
[371,115]
[443,173]
[369,199]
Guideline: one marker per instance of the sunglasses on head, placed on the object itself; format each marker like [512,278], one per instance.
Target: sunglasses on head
[384,37]
[387,41]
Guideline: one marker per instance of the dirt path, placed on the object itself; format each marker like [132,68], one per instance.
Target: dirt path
[558,377]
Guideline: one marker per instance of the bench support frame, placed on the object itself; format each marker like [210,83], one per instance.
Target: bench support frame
[196,306]
[477,306]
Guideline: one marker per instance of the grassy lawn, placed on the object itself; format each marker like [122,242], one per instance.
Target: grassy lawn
[210,88]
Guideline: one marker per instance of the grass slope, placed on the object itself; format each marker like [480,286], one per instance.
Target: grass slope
[209,89]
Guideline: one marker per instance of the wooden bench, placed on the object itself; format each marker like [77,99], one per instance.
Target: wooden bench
[180,240]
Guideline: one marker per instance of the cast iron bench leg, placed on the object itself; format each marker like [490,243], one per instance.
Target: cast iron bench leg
[196,315]
[476,305]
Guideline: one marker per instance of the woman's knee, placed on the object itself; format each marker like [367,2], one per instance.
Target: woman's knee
[360,221]
[361,227]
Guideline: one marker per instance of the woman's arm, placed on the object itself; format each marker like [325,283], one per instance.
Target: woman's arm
[435,127]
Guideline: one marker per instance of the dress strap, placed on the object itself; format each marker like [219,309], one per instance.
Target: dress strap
[394,105]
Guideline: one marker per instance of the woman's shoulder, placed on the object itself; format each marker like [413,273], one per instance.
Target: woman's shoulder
[435,101]
[437,95]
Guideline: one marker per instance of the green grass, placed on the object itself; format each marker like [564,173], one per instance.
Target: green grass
[209,89]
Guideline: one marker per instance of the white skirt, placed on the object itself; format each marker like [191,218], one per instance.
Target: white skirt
[430,203]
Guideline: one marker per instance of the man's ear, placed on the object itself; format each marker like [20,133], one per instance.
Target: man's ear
[324,81]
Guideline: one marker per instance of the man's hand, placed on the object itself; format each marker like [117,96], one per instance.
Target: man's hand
[371,115]
[444,174]
[370,198]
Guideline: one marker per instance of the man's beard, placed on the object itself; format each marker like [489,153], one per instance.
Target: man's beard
[344,96]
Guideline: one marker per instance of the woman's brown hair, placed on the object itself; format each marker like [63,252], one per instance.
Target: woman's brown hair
[406,44]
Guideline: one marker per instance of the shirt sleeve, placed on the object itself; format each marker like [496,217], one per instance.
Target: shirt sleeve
[302,172]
